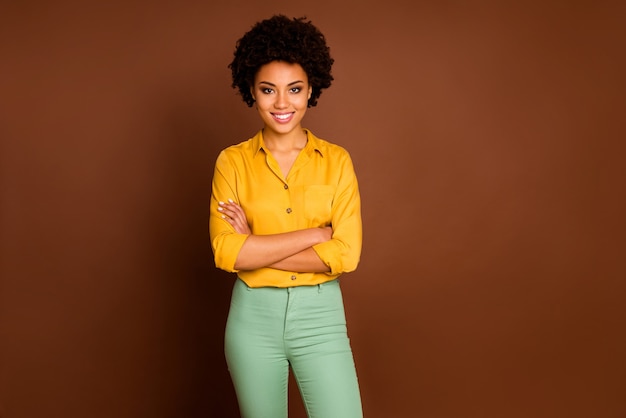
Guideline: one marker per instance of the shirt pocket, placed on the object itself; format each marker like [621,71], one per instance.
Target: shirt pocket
[318,204]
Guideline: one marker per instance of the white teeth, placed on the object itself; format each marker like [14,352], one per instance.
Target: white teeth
[283,117]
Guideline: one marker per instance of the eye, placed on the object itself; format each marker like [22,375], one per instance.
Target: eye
[267,90]
[295,90]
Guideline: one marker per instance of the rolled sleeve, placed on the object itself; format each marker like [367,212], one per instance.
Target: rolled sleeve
[226,247]
[343,252]
[225,242]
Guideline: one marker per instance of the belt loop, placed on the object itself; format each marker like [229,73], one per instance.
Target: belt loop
[319,288]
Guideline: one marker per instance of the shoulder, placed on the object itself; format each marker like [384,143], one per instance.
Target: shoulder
[241,150]
[327,148]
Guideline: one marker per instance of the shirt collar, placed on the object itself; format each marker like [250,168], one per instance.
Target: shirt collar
[313,143]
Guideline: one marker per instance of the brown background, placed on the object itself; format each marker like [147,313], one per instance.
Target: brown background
[488,143]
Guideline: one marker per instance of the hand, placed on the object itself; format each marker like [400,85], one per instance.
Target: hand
[234,215]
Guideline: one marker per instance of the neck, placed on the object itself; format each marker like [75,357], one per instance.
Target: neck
[294,140]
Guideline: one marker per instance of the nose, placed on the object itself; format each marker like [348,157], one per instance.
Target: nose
[281,101]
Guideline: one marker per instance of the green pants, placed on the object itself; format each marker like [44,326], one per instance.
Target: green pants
[270,329]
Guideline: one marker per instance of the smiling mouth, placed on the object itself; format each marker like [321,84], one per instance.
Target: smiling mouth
[282,117]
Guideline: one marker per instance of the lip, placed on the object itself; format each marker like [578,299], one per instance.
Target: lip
[283,117]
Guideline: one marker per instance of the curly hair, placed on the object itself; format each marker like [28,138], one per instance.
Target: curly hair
[280,38]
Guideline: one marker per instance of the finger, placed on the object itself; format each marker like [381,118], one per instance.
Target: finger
[235,211]
[223,210]
[238,225]
[234,215]
[228,213]
[239,214]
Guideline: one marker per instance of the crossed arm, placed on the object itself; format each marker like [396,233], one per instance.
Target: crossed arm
[292,251]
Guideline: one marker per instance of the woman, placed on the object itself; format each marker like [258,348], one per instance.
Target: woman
[286,217]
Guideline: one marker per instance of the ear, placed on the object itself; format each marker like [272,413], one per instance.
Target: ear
[252,93]
[310,91]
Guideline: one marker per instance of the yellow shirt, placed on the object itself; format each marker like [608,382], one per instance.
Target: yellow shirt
[320,190]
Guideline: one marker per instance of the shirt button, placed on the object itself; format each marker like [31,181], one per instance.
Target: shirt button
[293,277]
[288,210]
[286,187]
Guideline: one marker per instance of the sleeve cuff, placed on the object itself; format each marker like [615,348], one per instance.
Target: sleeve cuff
[227,250]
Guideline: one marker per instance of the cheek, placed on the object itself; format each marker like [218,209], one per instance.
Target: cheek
[261,102]
[304,100]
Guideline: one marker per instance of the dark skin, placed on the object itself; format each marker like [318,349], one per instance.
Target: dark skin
[290,251]
[281,92]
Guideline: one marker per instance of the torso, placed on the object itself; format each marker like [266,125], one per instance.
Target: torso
[285,160]
[286,156]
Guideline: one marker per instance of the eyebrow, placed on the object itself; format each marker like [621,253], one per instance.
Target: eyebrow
[274,85]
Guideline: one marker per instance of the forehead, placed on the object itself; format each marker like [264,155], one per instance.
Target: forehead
[280,73]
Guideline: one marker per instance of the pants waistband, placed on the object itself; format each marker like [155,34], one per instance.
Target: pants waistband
[300,289]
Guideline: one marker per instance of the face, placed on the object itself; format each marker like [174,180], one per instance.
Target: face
[282,92]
